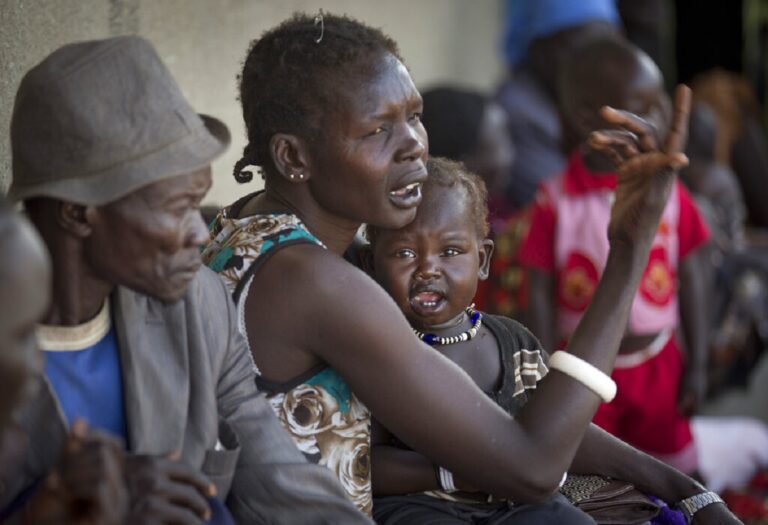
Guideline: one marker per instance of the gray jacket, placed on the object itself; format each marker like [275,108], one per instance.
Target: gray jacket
[188,382]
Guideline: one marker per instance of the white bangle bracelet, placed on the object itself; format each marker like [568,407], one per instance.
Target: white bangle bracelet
[446,480]
[591,377]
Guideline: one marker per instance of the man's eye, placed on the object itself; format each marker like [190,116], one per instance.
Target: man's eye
[405,253]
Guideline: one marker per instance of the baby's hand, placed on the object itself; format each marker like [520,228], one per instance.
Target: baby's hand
[646,167]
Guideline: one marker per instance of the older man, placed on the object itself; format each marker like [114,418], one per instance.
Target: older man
[112,163]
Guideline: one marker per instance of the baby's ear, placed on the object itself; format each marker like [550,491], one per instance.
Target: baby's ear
[485,251]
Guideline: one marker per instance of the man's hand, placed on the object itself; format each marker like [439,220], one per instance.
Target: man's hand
[165,490]
[86,486]
[646,165]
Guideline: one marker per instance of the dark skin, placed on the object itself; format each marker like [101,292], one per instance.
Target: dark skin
[494,153]
[635,86]
[86,485]
[333,313]
[156,253]
[442,247]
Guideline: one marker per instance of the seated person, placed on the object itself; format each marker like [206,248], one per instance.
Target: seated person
[86,484]
[112,163]
[431,268]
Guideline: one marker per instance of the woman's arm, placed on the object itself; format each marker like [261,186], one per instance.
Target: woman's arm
[327,308]
[604,454]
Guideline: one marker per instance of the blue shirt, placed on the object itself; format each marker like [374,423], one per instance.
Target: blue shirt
[83,366]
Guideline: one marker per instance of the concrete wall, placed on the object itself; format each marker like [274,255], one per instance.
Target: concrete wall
[204,42]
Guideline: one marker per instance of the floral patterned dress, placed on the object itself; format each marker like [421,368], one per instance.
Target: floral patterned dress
[327,422]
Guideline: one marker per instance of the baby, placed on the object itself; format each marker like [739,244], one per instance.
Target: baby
[431,269]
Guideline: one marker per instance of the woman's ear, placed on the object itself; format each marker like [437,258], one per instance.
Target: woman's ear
[485,251]
[290,156]
[74,218]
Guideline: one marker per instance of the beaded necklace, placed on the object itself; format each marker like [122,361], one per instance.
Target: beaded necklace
[476,320]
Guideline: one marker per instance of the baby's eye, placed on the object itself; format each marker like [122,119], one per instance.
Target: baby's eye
[451,252]
[405,253]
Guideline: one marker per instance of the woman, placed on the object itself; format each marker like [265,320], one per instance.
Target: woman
[333,123]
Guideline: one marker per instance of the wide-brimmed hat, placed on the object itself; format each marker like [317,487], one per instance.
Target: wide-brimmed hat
[98,120]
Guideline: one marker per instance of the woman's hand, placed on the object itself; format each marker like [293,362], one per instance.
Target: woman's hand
[715,514]
[646,165]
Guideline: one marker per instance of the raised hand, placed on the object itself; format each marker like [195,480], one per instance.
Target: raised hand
[86,486]
[646,165]
[165,490]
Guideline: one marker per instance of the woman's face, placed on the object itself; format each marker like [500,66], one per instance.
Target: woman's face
[371,159]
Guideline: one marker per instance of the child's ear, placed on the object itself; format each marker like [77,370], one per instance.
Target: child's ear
[485,251]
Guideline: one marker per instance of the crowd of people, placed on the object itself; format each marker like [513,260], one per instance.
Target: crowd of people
[155,370]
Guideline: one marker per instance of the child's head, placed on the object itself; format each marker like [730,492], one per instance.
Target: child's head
[333,118]
[25,290]
[431,266]
[470,127]
[611,71]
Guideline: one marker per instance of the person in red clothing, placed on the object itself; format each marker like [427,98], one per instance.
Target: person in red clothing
[566,249]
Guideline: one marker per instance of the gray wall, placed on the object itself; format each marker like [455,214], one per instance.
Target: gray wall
[204,42]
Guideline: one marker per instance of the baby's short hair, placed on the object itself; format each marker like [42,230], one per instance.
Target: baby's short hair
[452,174]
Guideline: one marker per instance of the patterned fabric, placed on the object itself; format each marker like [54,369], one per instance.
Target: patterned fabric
[327,422]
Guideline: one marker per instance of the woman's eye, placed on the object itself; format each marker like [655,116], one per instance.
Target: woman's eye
[378,131]
[405,253]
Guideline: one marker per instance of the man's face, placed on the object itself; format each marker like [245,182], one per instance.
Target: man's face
[150,240]
[25,294]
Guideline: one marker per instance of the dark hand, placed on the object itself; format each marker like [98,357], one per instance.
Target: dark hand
[646,165]
[86,486]
[693,389]
[715,514]
[164,490]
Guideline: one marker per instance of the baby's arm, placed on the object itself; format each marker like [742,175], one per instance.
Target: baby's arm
[396,471]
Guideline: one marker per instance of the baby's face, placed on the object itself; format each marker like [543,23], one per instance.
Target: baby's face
[431,267]
[25,289]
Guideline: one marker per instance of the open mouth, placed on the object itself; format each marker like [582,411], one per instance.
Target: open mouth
[408,196]
[427,302]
